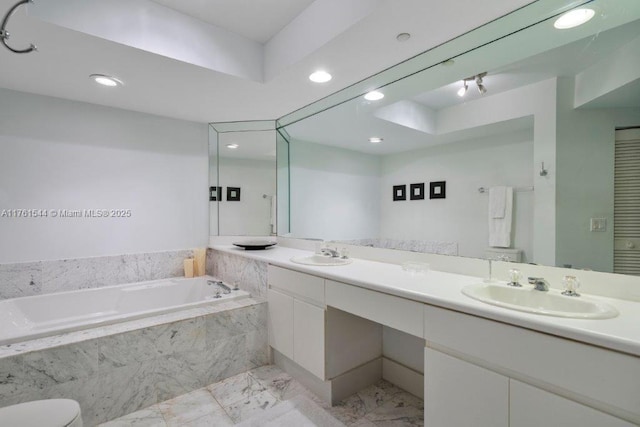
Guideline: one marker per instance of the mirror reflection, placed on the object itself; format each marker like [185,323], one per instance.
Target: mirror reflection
[519,150]
[242,180]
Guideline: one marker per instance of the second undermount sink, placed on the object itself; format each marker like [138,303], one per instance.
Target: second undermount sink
[320,260]
[551,303]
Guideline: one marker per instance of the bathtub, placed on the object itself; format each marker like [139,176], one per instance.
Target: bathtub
[26,318]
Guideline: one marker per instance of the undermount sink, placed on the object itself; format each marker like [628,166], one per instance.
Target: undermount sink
[320,260]
[551,303]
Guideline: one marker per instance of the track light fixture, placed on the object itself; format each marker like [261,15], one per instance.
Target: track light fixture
[463,90]
[478,81]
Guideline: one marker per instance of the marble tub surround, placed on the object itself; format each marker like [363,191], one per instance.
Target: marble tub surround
[42,277]
[119,328]
[119,369]
[248,395]
[250,274]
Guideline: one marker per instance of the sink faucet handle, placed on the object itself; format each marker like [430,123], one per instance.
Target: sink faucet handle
[571,285]
[514,278]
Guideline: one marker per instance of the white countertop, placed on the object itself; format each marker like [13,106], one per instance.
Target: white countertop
[621,333]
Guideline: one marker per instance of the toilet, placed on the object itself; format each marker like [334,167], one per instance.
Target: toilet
[504,254]
[42,413]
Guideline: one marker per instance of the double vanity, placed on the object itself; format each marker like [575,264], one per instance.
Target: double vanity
[493,355]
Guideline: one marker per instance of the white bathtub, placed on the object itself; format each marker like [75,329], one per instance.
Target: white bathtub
[32,317]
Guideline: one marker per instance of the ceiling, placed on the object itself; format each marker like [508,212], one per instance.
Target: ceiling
[165,56]
[255,20]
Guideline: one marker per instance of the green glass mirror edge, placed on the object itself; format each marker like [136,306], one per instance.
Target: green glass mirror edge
[624,12]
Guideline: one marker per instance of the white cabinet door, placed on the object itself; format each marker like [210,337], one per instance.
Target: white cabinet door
[532,407]
[280,308]
[457,393]
[308,337]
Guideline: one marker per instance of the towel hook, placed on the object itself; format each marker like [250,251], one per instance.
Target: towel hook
[4,34]
[543,171]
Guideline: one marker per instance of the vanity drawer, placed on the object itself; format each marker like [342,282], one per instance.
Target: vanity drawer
[309,288]
[601,378]
[388,310]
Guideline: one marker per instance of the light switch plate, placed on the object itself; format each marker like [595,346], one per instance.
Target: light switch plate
[598,224]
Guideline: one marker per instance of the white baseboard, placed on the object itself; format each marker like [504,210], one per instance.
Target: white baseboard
[337,388]
[403,377]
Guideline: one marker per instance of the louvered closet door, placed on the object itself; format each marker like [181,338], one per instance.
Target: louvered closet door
[626,230]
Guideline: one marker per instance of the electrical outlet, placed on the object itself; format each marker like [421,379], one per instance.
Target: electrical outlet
[598,224]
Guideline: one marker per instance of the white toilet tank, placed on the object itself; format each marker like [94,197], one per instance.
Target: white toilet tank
[42,413]
[504,254]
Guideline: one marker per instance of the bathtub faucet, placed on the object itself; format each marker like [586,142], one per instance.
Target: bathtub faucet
[220,284]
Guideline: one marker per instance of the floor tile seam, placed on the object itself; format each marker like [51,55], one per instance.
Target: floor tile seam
[224,409]
[264,389]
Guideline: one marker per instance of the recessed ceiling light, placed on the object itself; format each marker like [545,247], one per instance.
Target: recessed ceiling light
[403,37]
[375,140]
[320,77]
[374,95]
[105,80]
[573,18]
[232,146]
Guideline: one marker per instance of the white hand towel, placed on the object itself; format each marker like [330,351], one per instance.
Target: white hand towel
[500,228]
[497,202]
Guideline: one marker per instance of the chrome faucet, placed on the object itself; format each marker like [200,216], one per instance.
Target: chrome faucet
[333,253]
[539,284]
[225,289]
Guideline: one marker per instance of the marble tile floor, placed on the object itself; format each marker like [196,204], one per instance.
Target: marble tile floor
[248,394]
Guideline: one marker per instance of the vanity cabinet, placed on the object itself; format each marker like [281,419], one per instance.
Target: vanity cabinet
[506,375]
[533,407]
[458,393]
[326,342]
[297,318]
[309,337]
[296,329]
[280,323]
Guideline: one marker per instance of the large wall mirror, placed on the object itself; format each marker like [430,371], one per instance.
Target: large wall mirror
[243,178]
[544,111]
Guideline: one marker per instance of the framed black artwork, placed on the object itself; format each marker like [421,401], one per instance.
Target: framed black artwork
[416,191]
[233,194]
[399,192]
[214,193]
[438,190]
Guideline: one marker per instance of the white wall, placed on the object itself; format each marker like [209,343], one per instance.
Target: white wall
[250,216]
[57,154]
[585,156]
[334,192]
[461,217]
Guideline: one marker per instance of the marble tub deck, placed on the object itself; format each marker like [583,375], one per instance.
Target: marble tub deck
[246,395]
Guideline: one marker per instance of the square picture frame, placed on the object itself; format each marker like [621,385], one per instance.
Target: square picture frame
[416,191]
[215,194]
[399,192]
[233,194]
[438,190]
